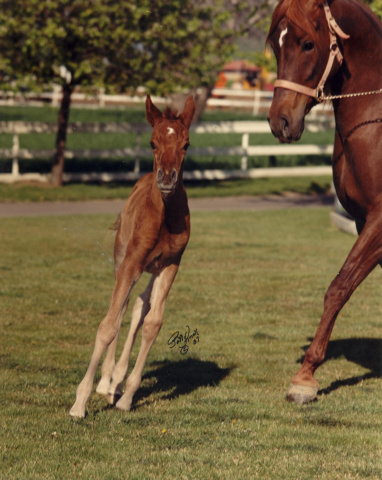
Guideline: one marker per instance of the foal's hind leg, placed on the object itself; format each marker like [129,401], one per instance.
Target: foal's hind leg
[140,310]
[365,255]
[151,326]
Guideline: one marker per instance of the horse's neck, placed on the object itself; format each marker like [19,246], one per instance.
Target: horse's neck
[362,67]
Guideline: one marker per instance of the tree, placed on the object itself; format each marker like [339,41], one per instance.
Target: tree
[165,46]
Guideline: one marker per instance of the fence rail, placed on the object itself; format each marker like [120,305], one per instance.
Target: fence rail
[244,151]
[257,101]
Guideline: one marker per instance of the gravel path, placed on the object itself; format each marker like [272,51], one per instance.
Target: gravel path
[270,202]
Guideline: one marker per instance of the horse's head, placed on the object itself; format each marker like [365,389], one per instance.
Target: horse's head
[169,142]
[300,40]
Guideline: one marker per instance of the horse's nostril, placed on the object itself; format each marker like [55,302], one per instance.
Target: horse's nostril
[284,124]
[174,176]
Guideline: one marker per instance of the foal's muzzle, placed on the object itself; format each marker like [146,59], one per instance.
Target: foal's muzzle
[167,180]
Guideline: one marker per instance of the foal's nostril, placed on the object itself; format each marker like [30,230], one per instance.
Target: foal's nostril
[160,175]
[174,176]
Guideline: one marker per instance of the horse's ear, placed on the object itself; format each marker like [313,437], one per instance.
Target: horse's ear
[188,112]
[153,114]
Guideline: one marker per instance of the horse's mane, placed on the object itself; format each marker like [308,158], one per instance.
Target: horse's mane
[292,10]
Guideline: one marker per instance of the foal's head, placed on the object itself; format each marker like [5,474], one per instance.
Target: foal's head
[169,142]
[300,40]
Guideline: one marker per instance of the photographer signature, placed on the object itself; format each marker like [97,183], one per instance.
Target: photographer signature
[182,341]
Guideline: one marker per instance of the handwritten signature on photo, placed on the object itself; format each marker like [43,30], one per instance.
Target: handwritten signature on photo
[183,341]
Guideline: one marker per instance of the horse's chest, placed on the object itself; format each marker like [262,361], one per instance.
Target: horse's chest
[169,249]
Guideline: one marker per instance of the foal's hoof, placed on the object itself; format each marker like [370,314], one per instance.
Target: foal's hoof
[301,394]
[103,386]
[124,403]
[77,412]
[112,398]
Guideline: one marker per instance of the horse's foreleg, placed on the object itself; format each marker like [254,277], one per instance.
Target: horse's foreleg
[364,256]
[151,325]
[140,310]
[106,334]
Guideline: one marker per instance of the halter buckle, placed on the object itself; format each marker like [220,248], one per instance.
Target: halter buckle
[320,94]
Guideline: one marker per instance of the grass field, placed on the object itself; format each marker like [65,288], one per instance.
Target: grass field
[252,283]
[24,192]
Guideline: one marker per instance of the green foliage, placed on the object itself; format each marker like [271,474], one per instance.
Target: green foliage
[163,45]
[376,6]
[252,283]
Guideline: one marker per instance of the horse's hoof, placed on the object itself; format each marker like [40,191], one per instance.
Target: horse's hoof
[301,394]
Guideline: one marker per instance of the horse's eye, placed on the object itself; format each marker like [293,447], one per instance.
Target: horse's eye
[185,148]
[152,145]
[308,46]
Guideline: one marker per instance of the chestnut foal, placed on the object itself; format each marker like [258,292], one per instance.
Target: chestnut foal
[153,231]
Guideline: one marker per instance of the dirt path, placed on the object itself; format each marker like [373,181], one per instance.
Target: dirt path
[270,202]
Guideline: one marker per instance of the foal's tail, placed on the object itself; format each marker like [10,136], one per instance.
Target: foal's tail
[116,223]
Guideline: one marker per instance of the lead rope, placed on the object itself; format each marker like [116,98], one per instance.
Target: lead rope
[349,95]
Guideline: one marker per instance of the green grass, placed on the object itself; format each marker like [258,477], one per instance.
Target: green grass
[79,192]
[252,283]
[133,114]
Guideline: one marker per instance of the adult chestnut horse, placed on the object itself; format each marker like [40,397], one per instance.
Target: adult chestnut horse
[153,231]
[334,48]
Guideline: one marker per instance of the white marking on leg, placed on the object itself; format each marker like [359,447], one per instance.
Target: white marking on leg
[282,35]
[170,131]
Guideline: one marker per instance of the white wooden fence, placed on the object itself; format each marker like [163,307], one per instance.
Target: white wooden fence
[256,101]
[245,150]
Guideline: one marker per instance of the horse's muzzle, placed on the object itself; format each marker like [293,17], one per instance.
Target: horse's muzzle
[167,180]
[284,130]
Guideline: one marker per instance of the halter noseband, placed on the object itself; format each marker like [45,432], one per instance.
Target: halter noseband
[318,93]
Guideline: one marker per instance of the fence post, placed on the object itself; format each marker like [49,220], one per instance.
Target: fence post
[56,95]
[244,145]
[138,147]
[101,97]
[15,155]
[256,102]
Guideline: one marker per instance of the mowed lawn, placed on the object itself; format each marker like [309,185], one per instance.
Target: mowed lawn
[252,284]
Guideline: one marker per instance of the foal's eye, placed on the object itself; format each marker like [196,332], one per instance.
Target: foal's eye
[185,148]
[308,46]
[152,144]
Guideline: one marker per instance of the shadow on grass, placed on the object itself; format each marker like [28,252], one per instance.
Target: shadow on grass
[174,379]
[366,352]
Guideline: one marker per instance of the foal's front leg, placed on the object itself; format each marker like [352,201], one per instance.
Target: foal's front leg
[140,310]
[107,332]
[151,326]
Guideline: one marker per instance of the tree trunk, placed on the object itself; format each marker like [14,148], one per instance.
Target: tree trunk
[59,154]
[201,95]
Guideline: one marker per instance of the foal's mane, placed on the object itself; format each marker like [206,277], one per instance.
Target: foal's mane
[170,114]
[291,9]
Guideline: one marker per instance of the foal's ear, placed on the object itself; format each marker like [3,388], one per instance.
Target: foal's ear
[153,114]
[188,112]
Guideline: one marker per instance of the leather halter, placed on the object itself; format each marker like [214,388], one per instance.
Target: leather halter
[318,93]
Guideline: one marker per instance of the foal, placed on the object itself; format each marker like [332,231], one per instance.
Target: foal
[153,231]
